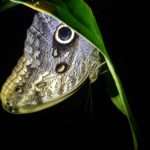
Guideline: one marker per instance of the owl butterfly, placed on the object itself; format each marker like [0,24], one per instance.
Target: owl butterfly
[55,62]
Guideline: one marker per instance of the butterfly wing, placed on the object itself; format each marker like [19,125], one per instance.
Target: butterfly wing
[55,63]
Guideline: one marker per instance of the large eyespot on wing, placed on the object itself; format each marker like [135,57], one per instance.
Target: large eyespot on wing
[64,34]
[65,39]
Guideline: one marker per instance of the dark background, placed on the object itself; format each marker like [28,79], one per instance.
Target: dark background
[78,120]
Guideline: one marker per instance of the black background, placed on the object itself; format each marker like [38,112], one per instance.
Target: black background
[75,120]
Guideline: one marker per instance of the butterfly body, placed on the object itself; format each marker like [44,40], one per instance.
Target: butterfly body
[55,62]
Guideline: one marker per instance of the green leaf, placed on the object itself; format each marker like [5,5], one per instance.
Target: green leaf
[79,16]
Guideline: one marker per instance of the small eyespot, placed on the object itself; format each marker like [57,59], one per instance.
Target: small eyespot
[61,68]
[64,34]
[18,89]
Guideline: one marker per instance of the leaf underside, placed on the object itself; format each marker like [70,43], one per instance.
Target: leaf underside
[79,16]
